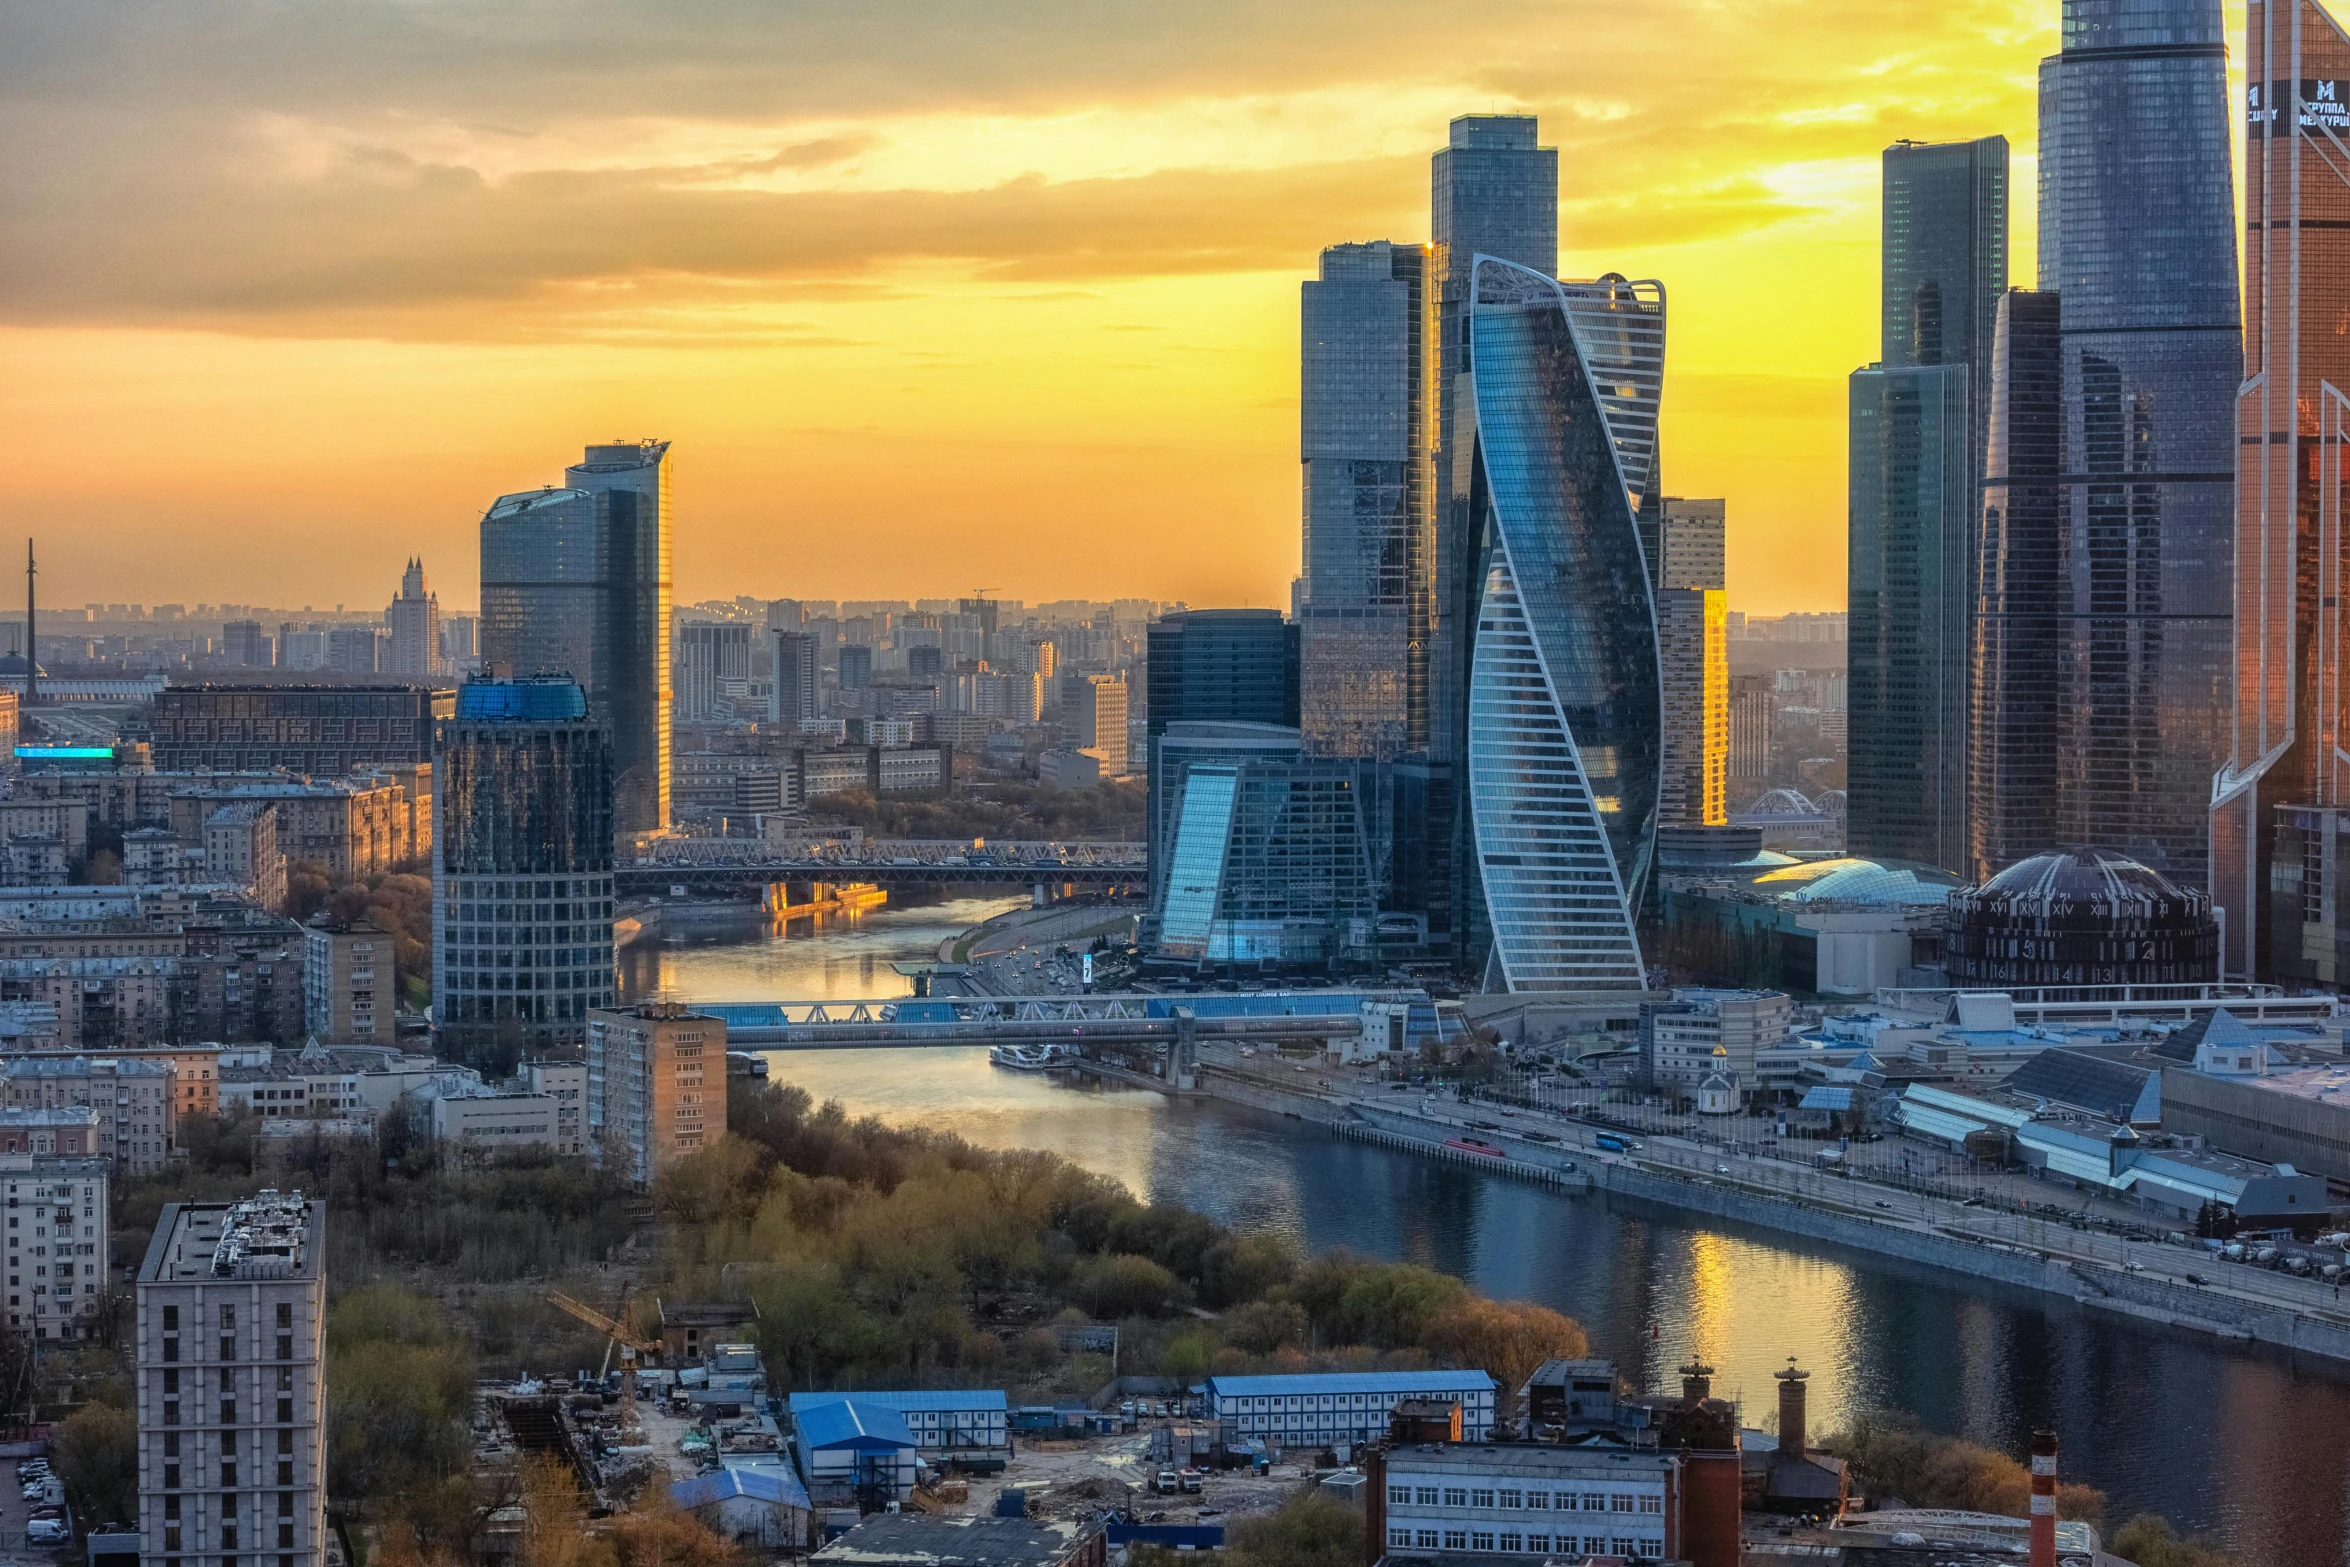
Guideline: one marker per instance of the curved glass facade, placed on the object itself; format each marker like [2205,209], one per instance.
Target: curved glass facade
[522,870]
[1565,716]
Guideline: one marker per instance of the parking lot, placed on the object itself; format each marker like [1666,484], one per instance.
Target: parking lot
[15,1514]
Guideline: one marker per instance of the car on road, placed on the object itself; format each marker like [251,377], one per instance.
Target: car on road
[2133,1267]
[1882,1203]
[1539,1137]
[1721,1169]
[2197,1278]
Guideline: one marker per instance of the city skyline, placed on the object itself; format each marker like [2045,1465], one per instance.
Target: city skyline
[1049,242]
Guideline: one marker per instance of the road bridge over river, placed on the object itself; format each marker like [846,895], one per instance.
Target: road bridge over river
[721,867]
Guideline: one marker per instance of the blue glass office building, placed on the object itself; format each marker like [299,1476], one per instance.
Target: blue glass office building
[522,870]
[1565,717]
[2138,240]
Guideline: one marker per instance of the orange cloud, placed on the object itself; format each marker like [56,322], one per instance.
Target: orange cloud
[879,271]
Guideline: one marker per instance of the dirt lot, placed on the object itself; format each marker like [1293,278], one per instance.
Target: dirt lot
[1076,1478]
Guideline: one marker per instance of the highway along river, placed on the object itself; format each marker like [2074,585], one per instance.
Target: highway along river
[2231,1439]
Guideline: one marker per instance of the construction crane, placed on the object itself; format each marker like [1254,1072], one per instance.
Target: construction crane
[629,1344]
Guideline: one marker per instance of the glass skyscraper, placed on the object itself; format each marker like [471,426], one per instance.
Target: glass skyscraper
[1906,632]
[2138,241]
[1367,417]
[1693,642]
[1563,734]
[522,870]
[1272,856]
[2015,681]
[2278,822]
[1493,192]
[1918,418]
[575,581]
[1945,257]
[1212,666]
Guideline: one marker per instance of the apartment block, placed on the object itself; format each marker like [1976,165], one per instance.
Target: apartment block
[57,1241]
[350,982]
[232,1444]
[656,1088]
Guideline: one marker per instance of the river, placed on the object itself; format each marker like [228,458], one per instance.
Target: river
[2239,1441]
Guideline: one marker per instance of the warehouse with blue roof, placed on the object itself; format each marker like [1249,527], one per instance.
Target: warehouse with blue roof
[1347,1406]
[854,1453]
[765,1506]
[962,1422]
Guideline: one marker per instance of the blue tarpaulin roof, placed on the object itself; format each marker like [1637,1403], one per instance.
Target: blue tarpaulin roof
[850,1423]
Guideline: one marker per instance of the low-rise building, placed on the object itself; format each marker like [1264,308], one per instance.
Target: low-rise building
[1320,1410]
[1438,1500]
[764,1506]
[481,1120]
[135,1098]
[690,1327]
[959,1421]
[57,1240]
[65,1131]
[565,1082]
[854,1454]
[1678,1040]
[2171,1175]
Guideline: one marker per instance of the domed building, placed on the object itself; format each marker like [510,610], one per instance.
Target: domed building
[2080,916]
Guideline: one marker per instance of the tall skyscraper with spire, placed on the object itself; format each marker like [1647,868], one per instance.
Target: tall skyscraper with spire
[1493,192]
[2280,822]
[415,621]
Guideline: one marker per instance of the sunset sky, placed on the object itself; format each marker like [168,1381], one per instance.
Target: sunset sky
[930,294]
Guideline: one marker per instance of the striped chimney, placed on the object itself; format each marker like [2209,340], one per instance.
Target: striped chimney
[2043,1499]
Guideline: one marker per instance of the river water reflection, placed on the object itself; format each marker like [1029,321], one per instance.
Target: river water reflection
[2241,1442]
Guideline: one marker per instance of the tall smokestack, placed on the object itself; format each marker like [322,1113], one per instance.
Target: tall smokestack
[1791,1383]
[2043,1499]
[1697,1382]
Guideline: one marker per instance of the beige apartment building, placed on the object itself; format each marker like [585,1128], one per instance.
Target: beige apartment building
[656,1087]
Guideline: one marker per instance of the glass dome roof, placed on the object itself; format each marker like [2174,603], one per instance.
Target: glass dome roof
[1884,883]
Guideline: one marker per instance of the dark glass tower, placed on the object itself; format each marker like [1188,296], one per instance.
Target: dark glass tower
[2015,689]
[1945,251]
[2138,239]
[1565,718]
[1906,637]
[1214,666]
[1367,427]
[2277,827]
[1918,433]
[575,581]
[522,870]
